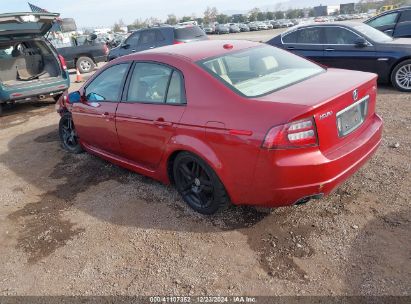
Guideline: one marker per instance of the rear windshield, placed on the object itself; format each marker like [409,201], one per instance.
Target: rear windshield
[260,70]
[189,32]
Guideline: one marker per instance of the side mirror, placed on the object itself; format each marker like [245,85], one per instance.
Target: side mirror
[93,36]
[360,42]
[74,97]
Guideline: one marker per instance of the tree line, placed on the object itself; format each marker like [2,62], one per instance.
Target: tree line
[211,15]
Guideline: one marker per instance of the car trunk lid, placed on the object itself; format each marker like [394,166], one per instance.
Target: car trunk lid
[26,24]
[340,101]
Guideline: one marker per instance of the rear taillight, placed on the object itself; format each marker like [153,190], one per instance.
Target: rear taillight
[106,50]
[63,63]
[177,42]
[295,134]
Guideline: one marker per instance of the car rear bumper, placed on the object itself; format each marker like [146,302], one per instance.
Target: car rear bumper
[286,177]
[22,93]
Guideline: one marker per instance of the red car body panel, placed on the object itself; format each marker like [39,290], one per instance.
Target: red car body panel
[227,130]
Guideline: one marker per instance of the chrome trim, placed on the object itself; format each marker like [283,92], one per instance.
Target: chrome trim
[314,26]
[352,106]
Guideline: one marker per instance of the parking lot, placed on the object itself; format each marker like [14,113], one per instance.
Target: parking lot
[77,225]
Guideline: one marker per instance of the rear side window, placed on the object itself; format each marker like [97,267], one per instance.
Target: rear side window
[149,83]
[290,38]
[405,16]
[107,85]
[176,92]
[189,32]
[309,35]
[156,83]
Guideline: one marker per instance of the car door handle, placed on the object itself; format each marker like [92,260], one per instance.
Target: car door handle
[290,48]
[162,123]
[330,50]
[105,114]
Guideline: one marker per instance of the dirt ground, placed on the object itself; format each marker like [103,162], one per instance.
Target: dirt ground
[77,225]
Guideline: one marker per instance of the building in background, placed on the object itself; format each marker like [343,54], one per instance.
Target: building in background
[320,11]
[347,8]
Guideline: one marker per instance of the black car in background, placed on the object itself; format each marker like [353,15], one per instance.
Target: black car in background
[354,46]
[150,38]
[395,23]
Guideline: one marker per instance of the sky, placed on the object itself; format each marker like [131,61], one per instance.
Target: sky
[97,13]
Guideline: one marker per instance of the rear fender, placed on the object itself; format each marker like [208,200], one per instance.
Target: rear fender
[193,145]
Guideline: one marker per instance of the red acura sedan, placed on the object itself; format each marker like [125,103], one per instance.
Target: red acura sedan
[227,122]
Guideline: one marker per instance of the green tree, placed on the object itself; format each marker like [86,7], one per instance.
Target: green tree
[253,14]
[260,16]
[222,18]
[210,15]
[279,15]
[185,19]
[269,15]
[171,19]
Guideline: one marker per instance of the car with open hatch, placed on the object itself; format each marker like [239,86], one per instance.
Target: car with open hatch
[30,67]
[227,122]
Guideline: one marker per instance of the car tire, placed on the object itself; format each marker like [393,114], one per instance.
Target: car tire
[1,109]
[85,65]
[68,135]
[401,76]
[199,185]
[57,97]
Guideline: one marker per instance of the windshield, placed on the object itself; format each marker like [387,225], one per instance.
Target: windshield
[189,32]
[372,33]
[260,70]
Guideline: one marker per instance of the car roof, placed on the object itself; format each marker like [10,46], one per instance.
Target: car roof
[195,51]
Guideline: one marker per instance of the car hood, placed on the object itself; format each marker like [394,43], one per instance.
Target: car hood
[26,24]
[401,42]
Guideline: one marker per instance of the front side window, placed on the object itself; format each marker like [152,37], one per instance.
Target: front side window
[107,85]
[133,39]
[385,20]
[338,35]
[260,70]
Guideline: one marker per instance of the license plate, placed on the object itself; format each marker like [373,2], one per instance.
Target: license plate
[352,117]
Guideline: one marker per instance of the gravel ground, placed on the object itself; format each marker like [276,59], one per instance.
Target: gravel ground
[77,225]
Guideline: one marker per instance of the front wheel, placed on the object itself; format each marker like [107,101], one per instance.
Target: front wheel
[68,135]
[85,65]
[198,184]
[401,76]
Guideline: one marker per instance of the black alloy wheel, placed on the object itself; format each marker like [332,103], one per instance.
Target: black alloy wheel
[68,135]
[198,184]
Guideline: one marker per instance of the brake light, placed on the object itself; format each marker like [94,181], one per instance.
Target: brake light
[63,63]
[106,50]
[177,42]
[296,134]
